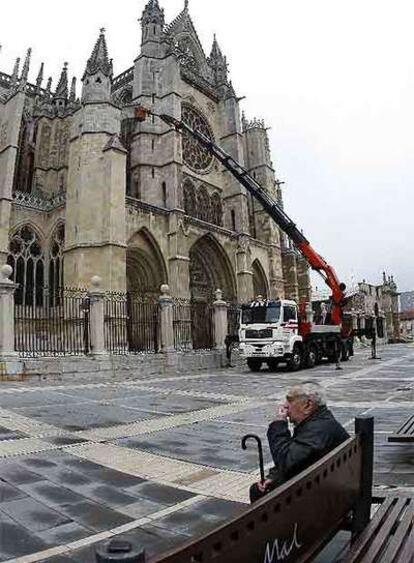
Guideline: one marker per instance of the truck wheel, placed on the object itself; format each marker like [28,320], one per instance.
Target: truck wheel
[254,364]
[311,357]
[295,360]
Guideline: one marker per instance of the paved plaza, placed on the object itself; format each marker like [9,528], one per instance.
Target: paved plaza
[158,459]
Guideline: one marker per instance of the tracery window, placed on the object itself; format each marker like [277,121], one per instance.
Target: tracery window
[56,261]
[203,204]
[216,209]
[27,260]
[195,156]
[189,198]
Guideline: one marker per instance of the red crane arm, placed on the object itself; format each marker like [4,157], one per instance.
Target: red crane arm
[329,275]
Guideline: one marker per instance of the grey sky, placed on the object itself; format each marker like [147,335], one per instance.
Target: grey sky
[334,80]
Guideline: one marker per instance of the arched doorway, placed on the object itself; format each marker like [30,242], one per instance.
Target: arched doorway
[260,285]
[145,272]
[210,269]
[145,266]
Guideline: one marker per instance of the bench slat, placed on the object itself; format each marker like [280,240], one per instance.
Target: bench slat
[358,548]
[383,536]
[401,538]
[389,535]
[407,427]
[405,433]
[407,555]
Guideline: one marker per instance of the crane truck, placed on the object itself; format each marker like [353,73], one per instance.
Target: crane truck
[274,331]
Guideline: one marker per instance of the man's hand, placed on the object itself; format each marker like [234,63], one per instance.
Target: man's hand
[262,485]
[282,413]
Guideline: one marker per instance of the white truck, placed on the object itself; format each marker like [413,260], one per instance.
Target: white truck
[273,332]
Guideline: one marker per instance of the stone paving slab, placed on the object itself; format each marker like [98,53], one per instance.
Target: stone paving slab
[152,448]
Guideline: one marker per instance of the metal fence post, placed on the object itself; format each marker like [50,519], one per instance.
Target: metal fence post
[220,321]
[7,289]
[97,317]
[166,320]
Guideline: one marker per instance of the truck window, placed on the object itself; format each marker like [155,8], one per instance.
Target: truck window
[289,313]
[266,314]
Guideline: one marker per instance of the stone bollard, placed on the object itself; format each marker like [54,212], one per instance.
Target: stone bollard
[220,321]
[7,289]
[166,320]
[97,317]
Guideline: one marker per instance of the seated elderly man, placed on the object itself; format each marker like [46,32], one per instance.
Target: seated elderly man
[315,433]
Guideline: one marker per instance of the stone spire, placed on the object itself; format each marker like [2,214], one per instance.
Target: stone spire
[62,87]
[98,61]
[72,95]
[49,87]
[97,79]
[218,63]
[152,23]
[25,71]
[15,75]
[153,14]
[39,79]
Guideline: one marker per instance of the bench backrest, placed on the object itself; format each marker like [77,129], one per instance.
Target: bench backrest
[295,521]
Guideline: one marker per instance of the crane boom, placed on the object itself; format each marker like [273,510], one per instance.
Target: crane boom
[284,222]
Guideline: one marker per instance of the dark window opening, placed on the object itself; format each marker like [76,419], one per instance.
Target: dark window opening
[164,194]
[233,220]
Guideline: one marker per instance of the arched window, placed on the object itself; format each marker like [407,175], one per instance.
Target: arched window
[216,209]
[27,260]
[203,204]
[56,262]
[189,198]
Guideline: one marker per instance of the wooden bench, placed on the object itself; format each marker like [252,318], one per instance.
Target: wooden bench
[405,433]
[294,522]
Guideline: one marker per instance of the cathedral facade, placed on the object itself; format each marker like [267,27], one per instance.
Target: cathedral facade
[87,190]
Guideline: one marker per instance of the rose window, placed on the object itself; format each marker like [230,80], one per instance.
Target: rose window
[194,154]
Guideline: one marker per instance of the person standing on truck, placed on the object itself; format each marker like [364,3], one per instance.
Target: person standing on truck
[316,432]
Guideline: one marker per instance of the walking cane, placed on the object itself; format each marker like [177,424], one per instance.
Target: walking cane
[259,447]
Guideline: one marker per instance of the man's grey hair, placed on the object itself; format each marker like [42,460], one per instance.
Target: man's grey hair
[309,390]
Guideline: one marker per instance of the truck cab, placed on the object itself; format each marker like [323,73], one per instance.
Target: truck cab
[269,332]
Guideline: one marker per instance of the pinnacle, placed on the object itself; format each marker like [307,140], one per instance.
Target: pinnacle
[99,58]
[62,87]
[215,50]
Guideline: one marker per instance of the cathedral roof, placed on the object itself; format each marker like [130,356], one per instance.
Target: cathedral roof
[99,58]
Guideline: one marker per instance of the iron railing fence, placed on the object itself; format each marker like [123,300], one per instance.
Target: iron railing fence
[131,323]
[116,323]
[55,323]
[182,322]
[202,325]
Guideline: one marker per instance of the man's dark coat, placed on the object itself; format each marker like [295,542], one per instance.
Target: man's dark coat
[312,439]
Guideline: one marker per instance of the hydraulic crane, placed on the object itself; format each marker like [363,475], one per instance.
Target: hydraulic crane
[269,331]
[270,205]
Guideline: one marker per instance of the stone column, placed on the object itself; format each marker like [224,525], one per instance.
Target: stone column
[7,289]
[97,314]
[166,319]
[220,321]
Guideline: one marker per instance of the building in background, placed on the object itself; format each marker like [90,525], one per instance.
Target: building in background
[407,314]
[86,190]
[370,305]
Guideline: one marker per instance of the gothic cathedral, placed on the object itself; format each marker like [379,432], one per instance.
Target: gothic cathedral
[87,190]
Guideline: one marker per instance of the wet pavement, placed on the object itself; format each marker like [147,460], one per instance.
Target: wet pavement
[158,459]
